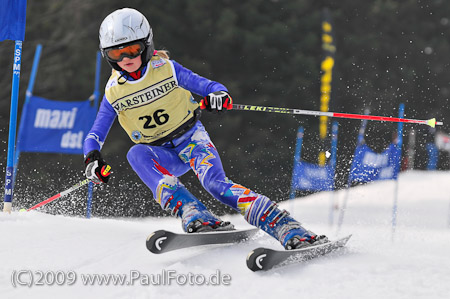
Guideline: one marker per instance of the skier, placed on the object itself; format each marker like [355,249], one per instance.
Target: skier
[151,96]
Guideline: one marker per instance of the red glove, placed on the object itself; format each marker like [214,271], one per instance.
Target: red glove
[217,102]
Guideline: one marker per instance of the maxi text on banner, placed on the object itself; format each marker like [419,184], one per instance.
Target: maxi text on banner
[55,126]
[12,19]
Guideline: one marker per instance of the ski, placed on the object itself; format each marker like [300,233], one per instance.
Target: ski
[262,259]
[162,241]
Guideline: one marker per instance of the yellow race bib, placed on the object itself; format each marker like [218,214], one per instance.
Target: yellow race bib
[152,107]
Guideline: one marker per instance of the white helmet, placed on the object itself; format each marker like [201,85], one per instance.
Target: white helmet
[125,26]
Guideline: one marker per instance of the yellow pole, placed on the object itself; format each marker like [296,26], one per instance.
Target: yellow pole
[325,88]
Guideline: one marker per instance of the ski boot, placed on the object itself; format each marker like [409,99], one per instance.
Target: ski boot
[266,215]
[195,217]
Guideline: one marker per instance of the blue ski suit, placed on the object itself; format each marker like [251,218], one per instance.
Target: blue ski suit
[178,148]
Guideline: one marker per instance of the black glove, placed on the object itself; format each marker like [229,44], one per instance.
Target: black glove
[217,102]
[96,168]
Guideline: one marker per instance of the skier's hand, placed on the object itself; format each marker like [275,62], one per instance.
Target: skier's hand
[217,102]
[96,168]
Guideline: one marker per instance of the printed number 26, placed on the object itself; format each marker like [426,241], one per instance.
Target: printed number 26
[159,117]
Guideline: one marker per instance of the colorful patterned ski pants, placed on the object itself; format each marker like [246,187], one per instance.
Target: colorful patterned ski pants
[160,166]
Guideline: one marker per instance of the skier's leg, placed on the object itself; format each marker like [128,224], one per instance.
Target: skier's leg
[155,166]
[168,191]
[265,214]
[257,209]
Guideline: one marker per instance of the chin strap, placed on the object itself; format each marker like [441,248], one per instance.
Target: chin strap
[122,75]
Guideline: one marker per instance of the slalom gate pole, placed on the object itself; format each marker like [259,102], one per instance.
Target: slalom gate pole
[9,179]
[61,194]
[430,122]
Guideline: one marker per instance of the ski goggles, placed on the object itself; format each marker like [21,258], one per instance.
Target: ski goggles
[133,50]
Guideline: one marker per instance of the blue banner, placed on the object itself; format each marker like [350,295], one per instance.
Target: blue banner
[313,177]
[12,19]
[370,166]
[54,126]
[433,156]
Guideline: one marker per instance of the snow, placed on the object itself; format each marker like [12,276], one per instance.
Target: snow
[413,262]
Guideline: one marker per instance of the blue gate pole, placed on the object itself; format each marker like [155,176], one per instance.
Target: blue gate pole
[96,95]
[334,139]
[29,93]
[89,199]
[360,141]
[297,157]
[397,168]
[9,179]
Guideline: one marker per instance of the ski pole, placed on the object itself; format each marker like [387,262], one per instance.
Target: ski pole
[430,122]
[61,194]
